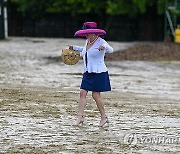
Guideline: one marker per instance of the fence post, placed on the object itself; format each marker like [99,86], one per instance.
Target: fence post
[3,20]
[2,35]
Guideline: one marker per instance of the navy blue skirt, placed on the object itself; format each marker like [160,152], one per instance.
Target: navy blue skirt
[97,82]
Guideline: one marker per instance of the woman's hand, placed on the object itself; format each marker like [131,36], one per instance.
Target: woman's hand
[70,47]
[101,47]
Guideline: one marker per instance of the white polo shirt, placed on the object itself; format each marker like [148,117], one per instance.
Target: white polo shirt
[95,58]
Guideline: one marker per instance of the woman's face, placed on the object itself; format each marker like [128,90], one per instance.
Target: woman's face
[91,36]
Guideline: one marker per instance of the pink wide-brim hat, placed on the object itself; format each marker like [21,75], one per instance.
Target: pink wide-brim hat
[90,28]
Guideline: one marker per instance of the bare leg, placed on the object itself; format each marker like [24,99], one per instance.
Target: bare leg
[97,97]
[81,106]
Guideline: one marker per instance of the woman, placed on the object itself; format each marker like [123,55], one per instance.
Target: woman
[95,77]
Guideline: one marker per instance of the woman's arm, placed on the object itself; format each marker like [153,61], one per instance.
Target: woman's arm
[74,47]
[77,48]
[106,47]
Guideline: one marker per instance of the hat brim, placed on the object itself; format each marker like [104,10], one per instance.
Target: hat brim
[84,32]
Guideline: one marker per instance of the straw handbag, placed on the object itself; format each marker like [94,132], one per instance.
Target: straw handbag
[70,57]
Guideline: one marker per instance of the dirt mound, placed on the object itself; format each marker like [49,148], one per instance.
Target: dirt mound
[148,51]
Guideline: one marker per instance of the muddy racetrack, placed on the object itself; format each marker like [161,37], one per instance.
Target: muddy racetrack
[39,95]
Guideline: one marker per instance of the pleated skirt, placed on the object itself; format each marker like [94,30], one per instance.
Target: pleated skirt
[96,82]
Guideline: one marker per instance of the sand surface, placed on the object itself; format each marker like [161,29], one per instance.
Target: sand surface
[39,95]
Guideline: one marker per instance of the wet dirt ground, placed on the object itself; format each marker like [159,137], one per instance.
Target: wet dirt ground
[39,95]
